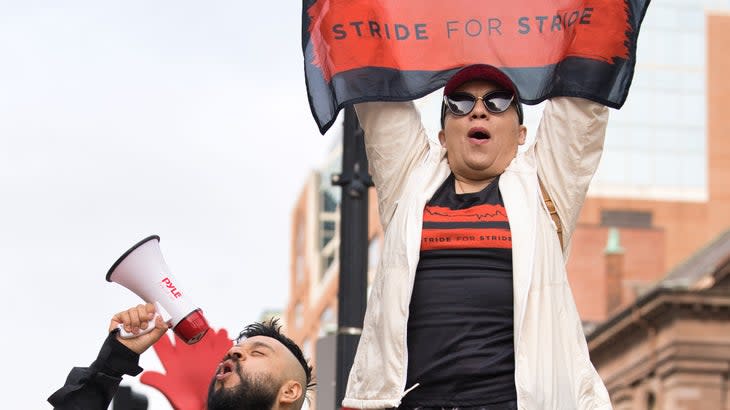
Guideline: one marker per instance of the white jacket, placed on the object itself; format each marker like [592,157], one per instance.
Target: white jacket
[552,367]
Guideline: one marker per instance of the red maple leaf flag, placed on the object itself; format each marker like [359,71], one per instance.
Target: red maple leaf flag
[188,368]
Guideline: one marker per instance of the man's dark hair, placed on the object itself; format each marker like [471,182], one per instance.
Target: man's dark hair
[271,328]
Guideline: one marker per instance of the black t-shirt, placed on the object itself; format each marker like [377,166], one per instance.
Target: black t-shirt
[461,326]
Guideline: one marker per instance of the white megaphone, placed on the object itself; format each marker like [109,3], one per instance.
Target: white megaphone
[143,270]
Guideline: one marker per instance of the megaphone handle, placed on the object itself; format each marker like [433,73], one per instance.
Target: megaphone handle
[129,335]
[150,325]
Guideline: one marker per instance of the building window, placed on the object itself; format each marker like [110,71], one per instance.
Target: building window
[329,228]
[307,348]
[626,219]
[299,263]
[299,315]
[329,219]
[327,322]
[300,268]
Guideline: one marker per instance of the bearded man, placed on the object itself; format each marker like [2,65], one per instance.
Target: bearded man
[264,370]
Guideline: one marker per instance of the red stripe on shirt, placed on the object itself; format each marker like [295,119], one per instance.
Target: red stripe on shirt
[435,239]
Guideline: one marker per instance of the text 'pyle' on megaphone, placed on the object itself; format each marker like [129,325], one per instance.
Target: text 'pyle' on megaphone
[143,270]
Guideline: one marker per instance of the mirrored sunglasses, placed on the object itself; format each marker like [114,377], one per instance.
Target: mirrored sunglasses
[461,104]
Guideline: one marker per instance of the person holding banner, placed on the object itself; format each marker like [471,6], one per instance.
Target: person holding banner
[471,306]
[263,370]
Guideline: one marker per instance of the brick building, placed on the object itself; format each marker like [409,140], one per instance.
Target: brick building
[670,348]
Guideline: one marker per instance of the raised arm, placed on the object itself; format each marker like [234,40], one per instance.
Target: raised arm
[395,142]
[568,148]
[93,387]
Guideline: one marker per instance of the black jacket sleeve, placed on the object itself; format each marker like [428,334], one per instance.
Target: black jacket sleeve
[93,387]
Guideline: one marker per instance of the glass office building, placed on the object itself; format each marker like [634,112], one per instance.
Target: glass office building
[656,144]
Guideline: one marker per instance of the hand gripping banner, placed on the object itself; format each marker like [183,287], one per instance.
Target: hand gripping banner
[396,50]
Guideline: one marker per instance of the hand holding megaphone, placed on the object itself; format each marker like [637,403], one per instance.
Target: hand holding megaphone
[157,313]
[143,270]
[139,327]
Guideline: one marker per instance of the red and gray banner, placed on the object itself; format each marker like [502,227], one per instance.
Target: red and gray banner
[396,50]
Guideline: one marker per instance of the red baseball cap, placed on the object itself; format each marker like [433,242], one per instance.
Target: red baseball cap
[483,72]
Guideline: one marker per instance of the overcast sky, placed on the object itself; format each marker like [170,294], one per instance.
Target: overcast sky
[120,119]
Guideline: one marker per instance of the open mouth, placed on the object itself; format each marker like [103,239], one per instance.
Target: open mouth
[479,134]
[224,370]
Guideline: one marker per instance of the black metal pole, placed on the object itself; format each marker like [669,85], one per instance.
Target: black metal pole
[354,181]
